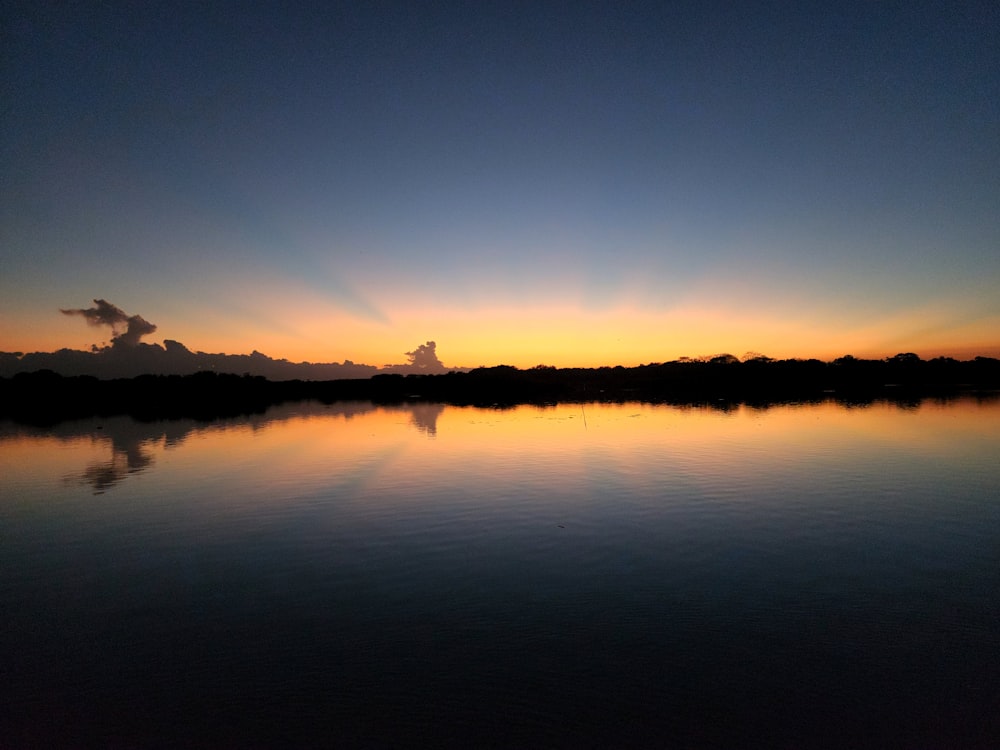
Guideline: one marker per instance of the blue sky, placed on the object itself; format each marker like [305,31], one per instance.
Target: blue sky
[572,183]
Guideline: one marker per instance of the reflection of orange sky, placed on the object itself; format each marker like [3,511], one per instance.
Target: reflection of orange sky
[571,436]
[297,443]
[622,429]
[24,458]
[364,456]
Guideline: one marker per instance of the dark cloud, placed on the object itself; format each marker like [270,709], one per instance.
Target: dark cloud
[103,313]
[425,359]
[126,329]
[137,328]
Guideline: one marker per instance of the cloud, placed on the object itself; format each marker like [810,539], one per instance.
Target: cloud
[423,361]
[126,329]
[424,358]
[128,356]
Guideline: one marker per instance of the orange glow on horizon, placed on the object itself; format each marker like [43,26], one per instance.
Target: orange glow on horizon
[557,334]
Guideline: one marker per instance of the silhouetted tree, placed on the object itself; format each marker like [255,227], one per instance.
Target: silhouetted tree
[724,359]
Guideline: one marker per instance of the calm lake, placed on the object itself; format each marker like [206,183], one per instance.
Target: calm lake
[597,575]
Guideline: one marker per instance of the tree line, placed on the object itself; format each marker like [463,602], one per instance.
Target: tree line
[45,396]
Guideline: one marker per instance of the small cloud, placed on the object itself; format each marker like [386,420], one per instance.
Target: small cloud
[425,358]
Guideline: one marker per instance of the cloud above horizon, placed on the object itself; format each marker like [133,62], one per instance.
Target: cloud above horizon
[597,185]
[125,329]
[129,356]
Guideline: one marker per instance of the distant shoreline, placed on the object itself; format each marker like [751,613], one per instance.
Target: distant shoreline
[45,397]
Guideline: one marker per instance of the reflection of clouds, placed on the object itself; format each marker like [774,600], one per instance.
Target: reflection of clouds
[133,447]
[126,459]
[424,417]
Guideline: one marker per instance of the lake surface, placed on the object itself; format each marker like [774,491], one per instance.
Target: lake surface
[605,575]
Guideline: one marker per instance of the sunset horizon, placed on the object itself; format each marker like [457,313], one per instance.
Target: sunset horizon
[584,342]
[573,187]
[118,332]
[503,373]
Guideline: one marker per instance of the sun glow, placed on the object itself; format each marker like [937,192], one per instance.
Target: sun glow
[299,323]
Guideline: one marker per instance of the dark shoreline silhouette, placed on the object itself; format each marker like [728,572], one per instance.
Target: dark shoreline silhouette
[45,397]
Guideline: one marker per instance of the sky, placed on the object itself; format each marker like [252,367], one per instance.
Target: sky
[561,183]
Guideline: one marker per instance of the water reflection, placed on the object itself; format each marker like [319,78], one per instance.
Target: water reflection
[800,575]
[120,447]
[126,447]
[127,457]
[424,417]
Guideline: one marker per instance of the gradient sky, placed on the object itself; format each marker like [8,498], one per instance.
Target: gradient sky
[568,183]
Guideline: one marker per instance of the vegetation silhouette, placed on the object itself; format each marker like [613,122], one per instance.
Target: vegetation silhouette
[45,397]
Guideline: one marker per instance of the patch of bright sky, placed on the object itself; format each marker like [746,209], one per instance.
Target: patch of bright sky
[346,182]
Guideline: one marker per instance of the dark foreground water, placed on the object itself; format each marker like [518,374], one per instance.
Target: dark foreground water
[575,576]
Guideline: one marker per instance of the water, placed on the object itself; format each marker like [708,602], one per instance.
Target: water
[572,576]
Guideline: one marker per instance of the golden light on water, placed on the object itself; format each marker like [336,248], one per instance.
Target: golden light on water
[360,447]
